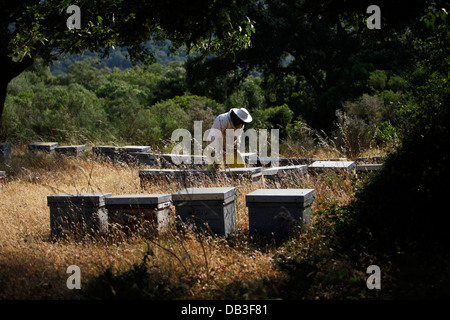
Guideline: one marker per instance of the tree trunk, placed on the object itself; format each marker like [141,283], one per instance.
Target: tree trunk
[10,70]
[3,89]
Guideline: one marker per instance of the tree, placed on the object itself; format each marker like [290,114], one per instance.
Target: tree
[398,216]
[34,29]
[326,46]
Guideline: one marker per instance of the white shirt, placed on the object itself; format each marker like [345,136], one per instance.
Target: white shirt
[222,123]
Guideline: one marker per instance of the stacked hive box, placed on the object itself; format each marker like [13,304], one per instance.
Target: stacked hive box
[188,161]
[278,212]
[5,152]
[110,153]
[2,177]
[78,214]
[71,150]
[191,178]
[157,176]
[194,178]
[168,160]
[127,149]
[47,147]
[295,161]
[337,166]
[5,156]
[369,164]
[127,153]
[143,158]
[214,208]
[280,176]
[143,212]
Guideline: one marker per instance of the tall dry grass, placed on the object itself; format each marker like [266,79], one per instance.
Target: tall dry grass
[33,266]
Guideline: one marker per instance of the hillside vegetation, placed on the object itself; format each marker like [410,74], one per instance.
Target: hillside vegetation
[93,104]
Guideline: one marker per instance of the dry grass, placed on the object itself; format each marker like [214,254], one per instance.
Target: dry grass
[32,266]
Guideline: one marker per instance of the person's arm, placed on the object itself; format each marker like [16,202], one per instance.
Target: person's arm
[214,148]
[217,125]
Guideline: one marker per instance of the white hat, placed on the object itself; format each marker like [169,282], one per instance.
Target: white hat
[243,114]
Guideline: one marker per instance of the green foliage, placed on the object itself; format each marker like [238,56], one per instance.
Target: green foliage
[181,112]
[41,27]
[209,77]
[387,132]
[378,80]
[411,178]
[139,105]
[145,104]
[59,113]
[375,119]
[397,83]
[399,213]
[273,118]
[172,82]
[249,95]
[38,30]
[86,73]
[355,87]
[118,58]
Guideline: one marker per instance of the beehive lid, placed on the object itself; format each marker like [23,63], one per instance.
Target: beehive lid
[281,196]
[243,170]
[296,161]
[219,193]
[270,171]
[5,146]
[175,172]
[135,148]
[274,170]
[43,145]
[76,198]
[333,164]
[70,148]
[138,199]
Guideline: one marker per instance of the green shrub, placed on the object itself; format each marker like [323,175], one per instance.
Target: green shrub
[278,117]
[60,113]
[377,80]
[397,83]
[180,113]
[249,95]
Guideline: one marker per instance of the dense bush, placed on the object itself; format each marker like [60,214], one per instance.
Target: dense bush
[400,215]
[58,113]
[278,117]
[249,95]
[139,105]
[376,118]
[143,105]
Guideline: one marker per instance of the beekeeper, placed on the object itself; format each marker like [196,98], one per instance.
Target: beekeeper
[225,137]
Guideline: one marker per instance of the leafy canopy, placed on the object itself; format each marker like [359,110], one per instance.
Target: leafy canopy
[37,28]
